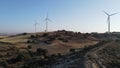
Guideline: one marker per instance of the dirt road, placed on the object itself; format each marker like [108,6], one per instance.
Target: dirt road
[92,60]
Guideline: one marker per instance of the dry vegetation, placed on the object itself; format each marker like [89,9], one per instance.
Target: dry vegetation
[42,49]
[111,55]
[19,50]
[54,42]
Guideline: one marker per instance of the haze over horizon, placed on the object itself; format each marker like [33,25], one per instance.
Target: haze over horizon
[18,16]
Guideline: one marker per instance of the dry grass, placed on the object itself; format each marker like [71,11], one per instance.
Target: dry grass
[3,36]
[55,47]
[111,55]
[60,47]
[15,39]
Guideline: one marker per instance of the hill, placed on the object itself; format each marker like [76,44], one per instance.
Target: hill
[54,42]
[45,48]
[17,50]
[110,55]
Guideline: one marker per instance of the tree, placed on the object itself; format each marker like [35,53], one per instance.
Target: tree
[72,50]
[19,57]
[41,52]
[32,36]
[24,33]
[59,55]
[45,34]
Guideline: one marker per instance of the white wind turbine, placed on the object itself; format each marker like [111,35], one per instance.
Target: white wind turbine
[35,24]
[46,21]
[108,20]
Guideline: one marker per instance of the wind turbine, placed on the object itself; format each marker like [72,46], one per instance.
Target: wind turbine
[47,20]
[35,24]
[108,20]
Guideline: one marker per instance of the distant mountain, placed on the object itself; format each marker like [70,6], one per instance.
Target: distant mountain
[7,34]
[3,34]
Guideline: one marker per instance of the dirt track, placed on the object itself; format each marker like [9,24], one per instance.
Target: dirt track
[92,60]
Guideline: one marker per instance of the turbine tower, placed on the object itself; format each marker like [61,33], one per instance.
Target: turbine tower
[47,20]
[108,20]
[35,24]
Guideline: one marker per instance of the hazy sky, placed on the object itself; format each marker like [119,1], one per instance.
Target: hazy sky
[74,15]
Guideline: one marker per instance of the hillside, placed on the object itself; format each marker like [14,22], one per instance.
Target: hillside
[110,55]
[16,50]
[104,56]
[46,48]
[54,42]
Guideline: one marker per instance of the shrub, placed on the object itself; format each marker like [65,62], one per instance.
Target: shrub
[45,34]
[41,51]
[28,41]
[32,36]
[13,60]
[65,40]
[47,42]
[29,46]
[59,55]
[117,40]
[72,50]
[51,38]
[24,33]
[19,57]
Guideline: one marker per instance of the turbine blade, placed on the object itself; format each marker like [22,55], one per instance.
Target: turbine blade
[47,19]
[106,13]
[113,14]
[50,20]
